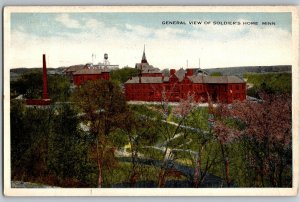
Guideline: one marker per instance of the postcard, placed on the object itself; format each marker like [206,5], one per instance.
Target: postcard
[151,100]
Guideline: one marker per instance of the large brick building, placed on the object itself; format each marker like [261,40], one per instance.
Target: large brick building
[152,85]
[79,74]
[87,74]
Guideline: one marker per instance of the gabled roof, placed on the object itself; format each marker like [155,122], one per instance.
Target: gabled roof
[142,66]
[223,79]
[150,70]
[215,79]
[145,80]
[173,76]
[88,71]
[196,79]
[180,74]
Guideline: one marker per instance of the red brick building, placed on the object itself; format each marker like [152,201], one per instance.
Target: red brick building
[87,74]
[181,83]
[81,73]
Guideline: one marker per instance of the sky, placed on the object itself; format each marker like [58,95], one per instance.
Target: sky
[72,38]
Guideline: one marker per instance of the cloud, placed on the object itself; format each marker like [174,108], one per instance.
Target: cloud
[67,21]
[166,47]
[93,24]
[139,30]
[20,28]
[167,33]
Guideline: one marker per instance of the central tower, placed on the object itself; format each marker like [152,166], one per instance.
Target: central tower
[144,59]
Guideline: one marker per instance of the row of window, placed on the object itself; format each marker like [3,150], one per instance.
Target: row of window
[166,87]
[147,88]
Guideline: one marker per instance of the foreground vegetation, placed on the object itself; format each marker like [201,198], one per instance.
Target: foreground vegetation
[97,140]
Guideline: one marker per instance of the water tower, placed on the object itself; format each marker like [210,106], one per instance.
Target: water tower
[105,61]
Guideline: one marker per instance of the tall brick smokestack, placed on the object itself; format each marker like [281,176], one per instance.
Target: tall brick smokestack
[45,80]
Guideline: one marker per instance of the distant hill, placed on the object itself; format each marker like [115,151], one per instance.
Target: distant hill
[240,71]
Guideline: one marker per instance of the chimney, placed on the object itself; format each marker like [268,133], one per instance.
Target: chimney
[45,82]
[172,72]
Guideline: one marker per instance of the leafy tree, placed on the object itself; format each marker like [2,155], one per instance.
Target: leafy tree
[104,111]
[122,75]
[68,157]
[271,83]
[20,141]
[141,133]
[31,86]
[47,146]
[30,140]
[59,88]
[199,144]
[174,134]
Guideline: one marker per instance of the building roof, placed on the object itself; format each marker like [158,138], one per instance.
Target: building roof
[180,74]
[196,79]
[216,79]
[143,66]
[150,70]
[223,79]
[89,71]
[201,71]
[74,68]
[78,68]
[145,80]
[104,66]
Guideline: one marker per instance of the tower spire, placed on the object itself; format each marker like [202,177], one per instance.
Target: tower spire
[144,60]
